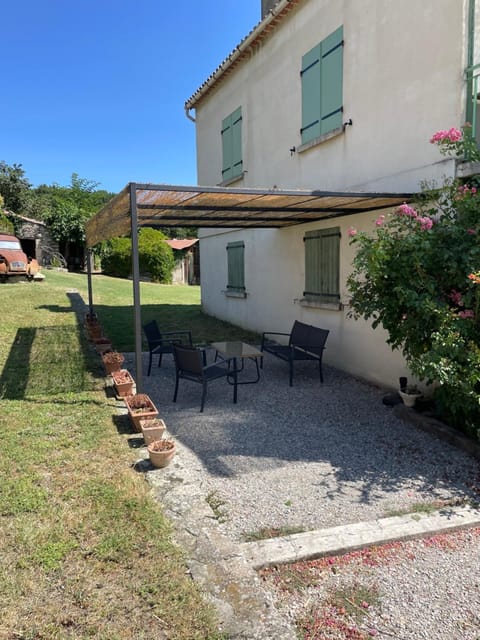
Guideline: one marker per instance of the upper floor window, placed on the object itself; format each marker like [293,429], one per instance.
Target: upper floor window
[322,87]
[232,165]
[322,265]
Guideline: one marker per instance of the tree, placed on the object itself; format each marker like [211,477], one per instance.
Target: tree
[418,275]
[66,210]
[155,256]
[15,188]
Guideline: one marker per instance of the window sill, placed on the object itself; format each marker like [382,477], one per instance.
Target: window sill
[230,181]
[235,294]
[311,304]
[326,136]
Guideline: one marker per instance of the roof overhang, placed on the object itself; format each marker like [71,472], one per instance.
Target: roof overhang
[191,206]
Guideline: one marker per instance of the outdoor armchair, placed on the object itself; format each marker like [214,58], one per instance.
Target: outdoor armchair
[305,342]
[189,365]
[160,342]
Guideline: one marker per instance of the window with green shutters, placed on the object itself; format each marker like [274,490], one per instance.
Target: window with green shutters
[322,87]
[236,266]
[322,265]
[232,165]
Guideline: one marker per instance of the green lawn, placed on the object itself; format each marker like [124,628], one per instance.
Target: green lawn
[172,306]
[85,551]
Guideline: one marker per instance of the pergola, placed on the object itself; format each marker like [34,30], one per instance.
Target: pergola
[151,205]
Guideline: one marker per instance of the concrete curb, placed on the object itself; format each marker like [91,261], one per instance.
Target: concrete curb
[344,538]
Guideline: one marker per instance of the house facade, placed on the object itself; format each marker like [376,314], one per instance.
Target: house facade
[335,96]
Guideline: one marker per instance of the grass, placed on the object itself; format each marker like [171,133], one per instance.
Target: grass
[86,552]
[216,504]
[271,532]
[172,306]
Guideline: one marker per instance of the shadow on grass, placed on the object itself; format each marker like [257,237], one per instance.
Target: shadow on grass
[50,360]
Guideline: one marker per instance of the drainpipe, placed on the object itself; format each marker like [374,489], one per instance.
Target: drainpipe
[471,98]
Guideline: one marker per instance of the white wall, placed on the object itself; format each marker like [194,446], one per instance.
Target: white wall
[403,80]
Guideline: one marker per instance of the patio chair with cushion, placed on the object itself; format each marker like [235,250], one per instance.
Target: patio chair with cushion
[160,342]
[189,365]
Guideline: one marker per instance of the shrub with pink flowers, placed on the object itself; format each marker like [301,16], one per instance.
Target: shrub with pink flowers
[417,274]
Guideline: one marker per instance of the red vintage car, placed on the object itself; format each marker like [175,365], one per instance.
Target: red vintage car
[13,261]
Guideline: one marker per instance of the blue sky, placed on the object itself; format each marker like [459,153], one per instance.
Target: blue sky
[98,87]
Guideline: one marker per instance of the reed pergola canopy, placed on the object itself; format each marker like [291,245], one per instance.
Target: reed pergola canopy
[191,206]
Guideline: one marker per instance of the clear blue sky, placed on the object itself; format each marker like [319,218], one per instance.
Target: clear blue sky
[97,87]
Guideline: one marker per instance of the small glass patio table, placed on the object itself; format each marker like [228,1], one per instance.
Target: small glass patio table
[235,351]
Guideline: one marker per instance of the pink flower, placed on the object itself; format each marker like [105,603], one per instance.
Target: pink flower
[452,135]
[405,210]
[426,223]
[380,220]
[468,313]
[471,232]
[352,232]
[456,297]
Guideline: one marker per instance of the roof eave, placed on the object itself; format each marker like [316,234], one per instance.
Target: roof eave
[242,50]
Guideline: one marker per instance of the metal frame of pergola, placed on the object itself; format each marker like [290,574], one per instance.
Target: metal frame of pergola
[152,205]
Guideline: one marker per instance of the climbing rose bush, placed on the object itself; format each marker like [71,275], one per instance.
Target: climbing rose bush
[417,274]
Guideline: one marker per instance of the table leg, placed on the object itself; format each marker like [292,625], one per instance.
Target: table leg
[235,380]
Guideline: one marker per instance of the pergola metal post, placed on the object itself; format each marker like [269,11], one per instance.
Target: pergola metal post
[136,287]
[89,281]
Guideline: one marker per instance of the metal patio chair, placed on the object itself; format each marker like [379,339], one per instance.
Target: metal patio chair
[189,365]
[160,342]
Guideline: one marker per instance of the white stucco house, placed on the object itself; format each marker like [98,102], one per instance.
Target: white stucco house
[334,95]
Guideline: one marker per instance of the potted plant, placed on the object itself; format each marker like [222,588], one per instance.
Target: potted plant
[409,394]
[112,361]
[139,406]
[123,382]
[94,330]
[152,429]
[161,452]
[102,344]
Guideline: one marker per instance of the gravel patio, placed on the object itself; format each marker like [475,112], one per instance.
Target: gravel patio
[308,456]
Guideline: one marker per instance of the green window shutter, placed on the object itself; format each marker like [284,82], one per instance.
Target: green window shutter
[331,85]
[237,162]
[310,75]
[322,265]
[227,148]
[232,164]
[322,87]
[236,266]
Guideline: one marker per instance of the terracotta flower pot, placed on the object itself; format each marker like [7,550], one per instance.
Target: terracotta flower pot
[94,330]
[140,407]
[112,361]
[123,382]
[102,345]
[152,429]
[161,452]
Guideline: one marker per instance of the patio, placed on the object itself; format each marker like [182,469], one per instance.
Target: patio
[306,457]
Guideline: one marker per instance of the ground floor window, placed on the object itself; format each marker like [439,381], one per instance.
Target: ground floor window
[322,265]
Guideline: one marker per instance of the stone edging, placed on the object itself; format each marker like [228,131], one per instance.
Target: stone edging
[439,429]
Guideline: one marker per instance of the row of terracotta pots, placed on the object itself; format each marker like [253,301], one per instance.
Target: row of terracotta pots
[144,418]
[141,410]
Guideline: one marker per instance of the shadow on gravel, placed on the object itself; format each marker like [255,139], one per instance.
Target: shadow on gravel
[333,447]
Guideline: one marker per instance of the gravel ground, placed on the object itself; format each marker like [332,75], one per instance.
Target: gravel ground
[315,456]
[308,456]
[422,590]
